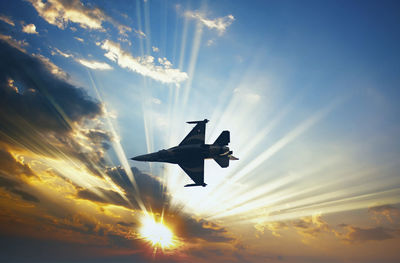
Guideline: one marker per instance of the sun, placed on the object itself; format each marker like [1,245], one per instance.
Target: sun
[157,233]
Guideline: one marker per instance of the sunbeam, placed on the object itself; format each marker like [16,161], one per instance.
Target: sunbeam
[292,105]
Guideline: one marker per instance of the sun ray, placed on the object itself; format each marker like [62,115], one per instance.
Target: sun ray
[118,148]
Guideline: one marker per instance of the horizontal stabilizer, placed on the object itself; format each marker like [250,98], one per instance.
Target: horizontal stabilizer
[190,185]
[195,122]
[223,161]
[233,158]
[223,139]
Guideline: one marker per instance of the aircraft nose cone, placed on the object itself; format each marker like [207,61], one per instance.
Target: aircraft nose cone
[139,158]
[151,157]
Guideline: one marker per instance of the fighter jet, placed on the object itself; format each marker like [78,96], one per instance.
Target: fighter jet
[192,151]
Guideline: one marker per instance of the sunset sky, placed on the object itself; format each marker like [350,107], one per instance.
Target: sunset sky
[309,91]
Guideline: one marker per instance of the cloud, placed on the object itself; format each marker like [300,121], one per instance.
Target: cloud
[14,43]
[10,166]
[94,64]
[220,24]
[79,39]
[358,234]
[143,65]
[155,101]
[387,211]
[51,67]
[105,196]
[38,107]
[11,172]
[210,42]
[61,12]
[71,194]
[274,227]
[7,20]
[308,227]
[122,29]
[311,227]
[29,29]
[13,187]
[156,199]
[62,53]
[151,189]
[247,95]
[140,33]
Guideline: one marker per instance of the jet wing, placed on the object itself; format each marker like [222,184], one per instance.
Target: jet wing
[195,170]
[197,134]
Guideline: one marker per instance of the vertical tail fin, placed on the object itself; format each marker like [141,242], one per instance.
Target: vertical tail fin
[223,139]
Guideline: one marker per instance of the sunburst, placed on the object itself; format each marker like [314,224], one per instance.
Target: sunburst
[158,234]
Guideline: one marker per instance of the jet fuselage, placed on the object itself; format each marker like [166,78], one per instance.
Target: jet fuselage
[192,151]
[181,153]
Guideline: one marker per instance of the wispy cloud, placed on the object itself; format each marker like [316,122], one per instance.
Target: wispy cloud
[66,55]
[14,43]
[144,65]
[94,64]
[79,39]
[123,29]
[29,29]
[7,20]
[140,33]
[220,23]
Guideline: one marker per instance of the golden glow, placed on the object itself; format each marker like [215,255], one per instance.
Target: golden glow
[157,233]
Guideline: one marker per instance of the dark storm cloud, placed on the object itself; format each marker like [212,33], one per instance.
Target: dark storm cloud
[40,110]
[10,172]
[99,138]
[13,187]
[42,99]
[151,189]
[201,229]
[10,166]
[106,196]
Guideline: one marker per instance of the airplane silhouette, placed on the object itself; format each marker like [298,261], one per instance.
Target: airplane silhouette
[192,151]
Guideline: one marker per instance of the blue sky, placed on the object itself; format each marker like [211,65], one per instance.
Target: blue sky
[308,89]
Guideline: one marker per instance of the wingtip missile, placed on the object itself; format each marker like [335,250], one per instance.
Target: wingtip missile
[190,185]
